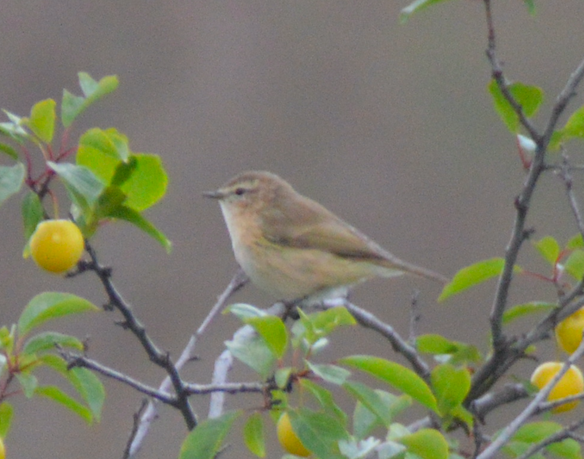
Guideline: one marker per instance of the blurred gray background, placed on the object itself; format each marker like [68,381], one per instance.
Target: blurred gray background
[389,126]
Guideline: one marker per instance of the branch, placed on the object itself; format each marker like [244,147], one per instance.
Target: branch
[228,388]
[564,174]
[562,100]
[368,320]
[84,362]
[498,76]
[512,427]
[503,356]
[132,323]
[554,438]
[224,362]
[238,281]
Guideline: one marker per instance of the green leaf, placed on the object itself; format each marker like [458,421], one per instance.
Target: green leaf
[132,216]
[566,449]
[8,150]
[144,179]
[90,388]
[46,342]
[574,127]
[57,395]
[473,275]
[282,376]
[51,305]
[124,171]
[82,185]
[32,213]
[13,129]
[94,90]
[530,4]
[371,400]
[364,421]
[205,441]
[521,310]
[427,444]
[253,435]
[535,432]
[6,412]
[72,106]
[98,145]
[324,398]
[330,373]
[148,182]
[549,249]
[28,383]
[319,432]
[273,331]
[244,311]
[576,242]
[396,375]
[415,7]
[109,200]
[252,350]
[313,327]
[451,386]
[11,179]
[575,264]
[439,345]
[42,120]
[528,97]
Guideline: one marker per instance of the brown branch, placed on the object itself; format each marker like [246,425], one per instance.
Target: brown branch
[238,281]
[369,320]
[131,322]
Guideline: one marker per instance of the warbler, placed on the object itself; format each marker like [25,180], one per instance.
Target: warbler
[294,248]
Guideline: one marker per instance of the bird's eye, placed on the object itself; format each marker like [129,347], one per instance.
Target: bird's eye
[239,191]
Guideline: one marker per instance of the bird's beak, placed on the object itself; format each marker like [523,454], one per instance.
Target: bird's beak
[214,194]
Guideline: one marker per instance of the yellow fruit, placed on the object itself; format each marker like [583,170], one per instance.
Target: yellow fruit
[2,449]
[56,245]
[571,383]
[569,331]
[288,439]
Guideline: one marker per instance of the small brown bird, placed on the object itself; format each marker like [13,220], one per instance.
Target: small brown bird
[293,248]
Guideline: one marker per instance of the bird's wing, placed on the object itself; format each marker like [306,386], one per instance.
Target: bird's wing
[320,229]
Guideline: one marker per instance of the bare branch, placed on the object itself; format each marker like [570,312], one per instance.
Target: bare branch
[224,362]
[84,362]
[137,416]
[368,320]
[132,323]
[237,282]
[498,76]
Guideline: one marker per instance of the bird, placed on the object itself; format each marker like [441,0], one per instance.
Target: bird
[294,248]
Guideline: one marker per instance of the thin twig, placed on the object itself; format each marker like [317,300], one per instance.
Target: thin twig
[564,174]
[132,323]
[84,362]
[554,438]
[237,282]
[228,388]
[368,320]
[505,353]
[137,416]
[224,363]
[514,425]
[498,76]
[415,317]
